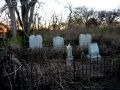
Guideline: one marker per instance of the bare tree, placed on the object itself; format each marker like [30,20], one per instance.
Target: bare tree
[11,6]
[92,22]
[25,16]
[70,16]
[82,13]
[27,10]
[107,16]
[54,22]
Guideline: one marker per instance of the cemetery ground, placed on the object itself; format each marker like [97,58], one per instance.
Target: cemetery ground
[46,68]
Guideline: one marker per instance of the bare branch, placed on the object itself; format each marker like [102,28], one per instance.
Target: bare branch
[17,12]
[3,8]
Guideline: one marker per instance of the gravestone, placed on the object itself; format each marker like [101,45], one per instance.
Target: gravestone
[85,39]
[38,41]
[93,51]
[32,41]
[58,42]
[82,39]
[35,41]
[69,52]
[88,39]
[69,60]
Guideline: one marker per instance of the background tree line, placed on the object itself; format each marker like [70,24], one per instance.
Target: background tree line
[27,19]
[92,18]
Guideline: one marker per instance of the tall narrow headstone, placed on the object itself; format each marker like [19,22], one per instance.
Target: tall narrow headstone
[93,51]
[58,42]
[69,52]
[69,59]
[32,41]
[38,41]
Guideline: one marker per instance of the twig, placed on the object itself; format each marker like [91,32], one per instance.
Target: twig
[9,79]
[14,71]
[59,84]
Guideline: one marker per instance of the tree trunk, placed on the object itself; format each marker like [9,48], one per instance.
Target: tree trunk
[11,6]
[13,22]
[31,17]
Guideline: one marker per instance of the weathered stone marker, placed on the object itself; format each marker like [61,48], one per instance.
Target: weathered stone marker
[39,41]
[69,59]
[58,42]
[82,39]
[93,51]
[35,41]
[85,39]
[88,39]
[32,41]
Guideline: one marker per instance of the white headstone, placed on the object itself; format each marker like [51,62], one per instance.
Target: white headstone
[82,39]
[58,42]
[38,41]
[69,52]
[69,60]
[32,41]
[88,39]
[85,39]
[93,51]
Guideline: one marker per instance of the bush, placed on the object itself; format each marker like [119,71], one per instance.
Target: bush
[15,42]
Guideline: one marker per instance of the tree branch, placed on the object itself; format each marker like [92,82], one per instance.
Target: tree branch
[20,21]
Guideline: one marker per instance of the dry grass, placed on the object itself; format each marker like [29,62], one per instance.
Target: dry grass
[102,35]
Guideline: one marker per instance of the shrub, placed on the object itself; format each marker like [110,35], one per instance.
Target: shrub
[15,42]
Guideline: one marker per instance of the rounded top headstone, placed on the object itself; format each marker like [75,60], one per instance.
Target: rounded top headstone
[38,41]
[58,42]
[82,39]
[88,39]
[32,41]
[93,48]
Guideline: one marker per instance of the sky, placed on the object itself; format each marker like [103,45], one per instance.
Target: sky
[58,6]
[95,4]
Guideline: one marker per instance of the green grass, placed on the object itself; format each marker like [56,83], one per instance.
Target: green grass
[13,41]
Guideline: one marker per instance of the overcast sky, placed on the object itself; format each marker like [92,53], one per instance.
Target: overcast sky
[58,6]
[96,4]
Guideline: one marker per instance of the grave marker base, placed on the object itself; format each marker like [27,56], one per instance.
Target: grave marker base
[94,58]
